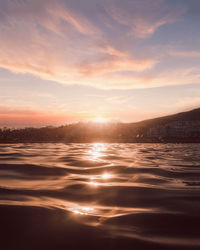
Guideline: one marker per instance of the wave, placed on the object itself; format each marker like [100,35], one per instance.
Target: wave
[144,194]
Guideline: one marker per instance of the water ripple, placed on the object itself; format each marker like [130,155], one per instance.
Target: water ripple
[148,192]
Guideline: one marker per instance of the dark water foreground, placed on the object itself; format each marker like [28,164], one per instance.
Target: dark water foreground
[99,196]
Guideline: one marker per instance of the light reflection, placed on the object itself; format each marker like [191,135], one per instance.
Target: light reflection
[102,177]
[93,183]
[94,211]
[106,176]
[97,151]
[83,210]
[78,212]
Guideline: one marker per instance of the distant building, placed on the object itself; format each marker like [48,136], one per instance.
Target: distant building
[181,129]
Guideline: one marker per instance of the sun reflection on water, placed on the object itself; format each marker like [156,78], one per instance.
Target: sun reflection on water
[93,183]
[106,176]
[83,210]
[102,177]
[96,151]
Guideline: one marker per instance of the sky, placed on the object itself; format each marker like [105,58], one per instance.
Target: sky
[65,61]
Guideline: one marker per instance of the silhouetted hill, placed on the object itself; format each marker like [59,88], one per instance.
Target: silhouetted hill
[184,126]
[181,127]
[193,115]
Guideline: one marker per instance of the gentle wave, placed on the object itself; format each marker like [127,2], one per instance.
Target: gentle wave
[143,192]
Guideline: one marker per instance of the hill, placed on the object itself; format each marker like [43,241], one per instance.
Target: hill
[178,126]
[181,127]
[193,115]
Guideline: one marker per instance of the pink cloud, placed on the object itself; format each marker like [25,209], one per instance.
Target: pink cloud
[58,40]
[113,60]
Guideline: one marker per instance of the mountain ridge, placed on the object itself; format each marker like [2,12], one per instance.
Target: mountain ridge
[179,127]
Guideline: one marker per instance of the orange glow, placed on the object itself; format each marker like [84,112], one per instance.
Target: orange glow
[83,210]
[106,176]
[93,183]
[100,119]
[96,151]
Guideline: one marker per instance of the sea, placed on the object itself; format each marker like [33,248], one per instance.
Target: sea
[99,196]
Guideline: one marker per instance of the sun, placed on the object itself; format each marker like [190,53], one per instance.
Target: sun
[100,119]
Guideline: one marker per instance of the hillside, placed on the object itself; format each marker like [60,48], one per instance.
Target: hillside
[193,115]
[181,127]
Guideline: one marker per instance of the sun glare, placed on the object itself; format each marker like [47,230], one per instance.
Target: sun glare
[106,176]
[100,119]
[83,210]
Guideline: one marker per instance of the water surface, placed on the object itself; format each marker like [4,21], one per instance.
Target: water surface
[100,196]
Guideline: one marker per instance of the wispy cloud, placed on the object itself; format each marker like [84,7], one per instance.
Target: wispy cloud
[142,18]
[185,53]
[113,60]
[81,43]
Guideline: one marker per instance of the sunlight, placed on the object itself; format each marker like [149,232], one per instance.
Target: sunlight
[100,119]
[96,151]
[102,177]
[83,210]
[106,176]
[93,183]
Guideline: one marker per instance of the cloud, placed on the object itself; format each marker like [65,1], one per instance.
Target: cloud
[142,18]
[185,53]
[72,42]
[114,60]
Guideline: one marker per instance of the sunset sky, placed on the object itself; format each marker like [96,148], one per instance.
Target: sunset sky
[64,61]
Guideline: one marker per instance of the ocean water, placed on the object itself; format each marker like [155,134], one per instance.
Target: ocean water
[99,196]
